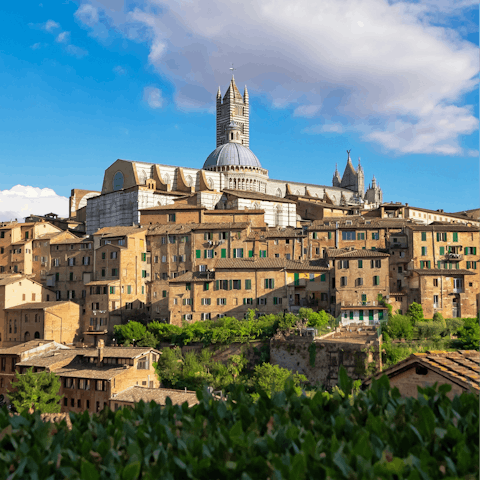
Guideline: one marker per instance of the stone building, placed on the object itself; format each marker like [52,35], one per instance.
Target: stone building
[18,290]
[57,321]
[460,370]
[232,177]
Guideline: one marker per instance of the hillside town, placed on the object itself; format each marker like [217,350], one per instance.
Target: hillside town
[177,246]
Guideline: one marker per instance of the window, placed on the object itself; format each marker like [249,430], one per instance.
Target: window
[400,270]
[287,256]
[237,284]
[103,272]
[113,255]
[208,253]
[323,277]
[435,282]
[129,289]
[375,236]
[317,251]
[455,236]
[71,276]
[470,250]
[425,264]
[269,283]
[424,236]
[171,217]
[262,253]
[238,253]
[348,235]
[114,272]
[205,316]
[261,301]
[375,263]
[71,261]
[441,237]
[248,284]
[435,301]
[206,286]
[312,277]
[206,301]
[103,255]
[329,235]
[208,236]
[361,236]
[223,235]
[424,251]
[121,242]
[171,239]
[358,282]
[343,264]
[314,235]
[174,259]
[376,280]
[343,281]
[221,301]
[360,264]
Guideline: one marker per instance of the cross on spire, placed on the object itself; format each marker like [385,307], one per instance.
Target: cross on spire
[232,69]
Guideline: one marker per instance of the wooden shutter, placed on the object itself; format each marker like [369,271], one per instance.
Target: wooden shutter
[223,253]
[198,254]
[234,253]
[455,236]
[442,250]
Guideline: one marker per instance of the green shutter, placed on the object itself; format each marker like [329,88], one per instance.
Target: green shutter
[230,284]
[455,236]
[429,264]
[329,235]
[442,250]
[424,236]
[360,264]
[250,253]
[273,283]
[248,284]
[207,285]
[361,315]
[266,283]
[439,264]
[198,254]
[274,300]
[322,277]
[223,253]
[204,254]
[457,266]
[241,253]
[438,237]
[468,265]
[474,265]
[244,301]
[234,253]
[473,250]
[217,284]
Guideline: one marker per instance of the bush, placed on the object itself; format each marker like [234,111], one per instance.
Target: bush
[452,325]
[415,312]
[430,329]
[469,335]
[399,326]
[369,435]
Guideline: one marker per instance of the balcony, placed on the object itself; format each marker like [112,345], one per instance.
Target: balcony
[454,257]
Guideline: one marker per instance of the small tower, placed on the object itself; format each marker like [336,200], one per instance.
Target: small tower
[374,193]
[233,108]
[336,177]
[232,133]
[360,180]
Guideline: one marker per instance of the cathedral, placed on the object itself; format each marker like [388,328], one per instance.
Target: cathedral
[232,177]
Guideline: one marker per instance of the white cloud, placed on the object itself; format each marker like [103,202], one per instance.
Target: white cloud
[328,128]
[51,25]
[63,37]
[76,51]
[87,14]
[35,46]
[355,58]
[306,110]
[21,201]
[119,70]
[153,97]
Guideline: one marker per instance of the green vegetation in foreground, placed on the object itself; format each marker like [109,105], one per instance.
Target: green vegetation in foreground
[370,435]
[223,331]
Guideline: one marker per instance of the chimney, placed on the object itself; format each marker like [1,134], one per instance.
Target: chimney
[101,345]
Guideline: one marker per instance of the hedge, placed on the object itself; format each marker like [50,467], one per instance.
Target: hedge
[371,435]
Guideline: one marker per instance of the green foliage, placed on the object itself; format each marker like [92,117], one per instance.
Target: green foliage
[272,378]
[374,434]
[315,319]
[469,334]
[39,390]
[126,334]
[399,326]
[452,325]
[383,301]
[430,329]
[415,312]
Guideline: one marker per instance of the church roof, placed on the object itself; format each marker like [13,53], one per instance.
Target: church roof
[232,154]
[236,92]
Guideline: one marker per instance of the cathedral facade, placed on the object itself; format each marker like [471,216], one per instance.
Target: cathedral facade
[231,177]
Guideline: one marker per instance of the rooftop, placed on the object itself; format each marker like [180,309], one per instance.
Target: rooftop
[353,253]
[444,272]
[159,395]
[39,305]
[257,196]
[119,231]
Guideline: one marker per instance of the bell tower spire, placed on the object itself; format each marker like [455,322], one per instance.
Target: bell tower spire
[233,108]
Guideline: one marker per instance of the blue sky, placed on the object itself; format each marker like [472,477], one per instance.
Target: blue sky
[85,83]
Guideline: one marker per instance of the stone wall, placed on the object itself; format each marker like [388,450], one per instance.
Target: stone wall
[320,360]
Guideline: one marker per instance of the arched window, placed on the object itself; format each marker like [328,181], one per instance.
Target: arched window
[36,335]
[231,136]
[27,336]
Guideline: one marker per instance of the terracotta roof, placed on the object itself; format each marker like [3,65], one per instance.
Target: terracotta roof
[443,214]
[461,367]
[39,305]
[357,223]
[159,395]
[117,352]
[24,347]
[276,232]
[268,263]
[257,196]
[174,207]
[49,358]
[119,231]
[443,272]
[105,372]
[20,242]
[250,211]
[192,277]
[69,241]
[8,280]
[180,229]
[103,282]
[47,236]
[358,253]
[451,227]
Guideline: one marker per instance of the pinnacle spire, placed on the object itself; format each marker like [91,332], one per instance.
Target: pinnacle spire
[219,93]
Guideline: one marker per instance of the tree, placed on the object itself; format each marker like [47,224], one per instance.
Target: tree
[39,390]
[149,340]
[129,332]
[469,334]
[272,378]
[169,366]
[399,326]
[315,319]
[415,312]
[439,320]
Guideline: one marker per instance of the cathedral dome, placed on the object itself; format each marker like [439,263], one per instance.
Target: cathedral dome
[230,154]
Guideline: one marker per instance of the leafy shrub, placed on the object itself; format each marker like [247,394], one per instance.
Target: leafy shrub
[399,326]
[369,435]
[452,325]
[430,329]
[469,335]
[272,378]
[415,312]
